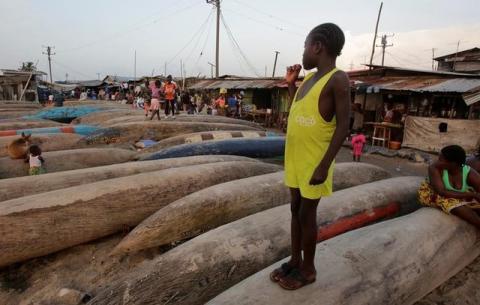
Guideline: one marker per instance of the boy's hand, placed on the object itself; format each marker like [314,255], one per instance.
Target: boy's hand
[319,175]
[292,73]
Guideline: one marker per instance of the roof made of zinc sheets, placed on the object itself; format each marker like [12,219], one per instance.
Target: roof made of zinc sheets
[423,84]
[237,84]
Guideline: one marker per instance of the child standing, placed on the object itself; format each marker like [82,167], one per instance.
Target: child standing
[155,104]
[358,141]
[36,161]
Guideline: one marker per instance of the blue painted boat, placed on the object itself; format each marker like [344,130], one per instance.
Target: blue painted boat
[267,147]
[83,130]
[65,113]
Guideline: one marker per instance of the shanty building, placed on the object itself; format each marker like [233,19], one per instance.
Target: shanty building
[264,98]
[467,61]
[19,85]
[432,108]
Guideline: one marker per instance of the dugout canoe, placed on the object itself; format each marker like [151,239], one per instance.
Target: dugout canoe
[206,136]
[266,147]
[48,142]
[155,130]
[83,130]
[15,187]
[97,118]
[201,268]
[23,124]
[63,218]
[182,118]
[396,262]
[64,113]
[64,160]
[223,203]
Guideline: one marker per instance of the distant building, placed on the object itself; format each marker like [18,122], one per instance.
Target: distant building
[19,85]
[467,61]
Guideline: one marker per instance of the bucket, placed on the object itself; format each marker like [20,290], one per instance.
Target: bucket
[394,145]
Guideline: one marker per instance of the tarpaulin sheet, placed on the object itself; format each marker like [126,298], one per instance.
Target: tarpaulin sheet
[424,134]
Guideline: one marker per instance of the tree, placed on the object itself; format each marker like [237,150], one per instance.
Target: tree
[28,66]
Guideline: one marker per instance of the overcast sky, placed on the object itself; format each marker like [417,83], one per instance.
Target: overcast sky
[92,36]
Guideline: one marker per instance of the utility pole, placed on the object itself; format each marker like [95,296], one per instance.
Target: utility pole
[351,66]
[275,64]
[66,78]
[49,54]
[433,59]
[98,76]
[265,70]
[375,36]
[165,71]
[135,70]
[455,58]
[384,45]
[216,3]
[211,69]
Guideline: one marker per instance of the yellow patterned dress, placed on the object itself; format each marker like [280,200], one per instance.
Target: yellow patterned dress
[428,197]
[307,141]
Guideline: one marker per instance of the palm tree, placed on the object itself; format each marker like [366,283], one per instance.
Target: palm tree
[28,66]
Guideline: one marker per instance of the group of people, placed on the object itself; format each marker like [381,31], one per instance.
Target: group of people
[154,94]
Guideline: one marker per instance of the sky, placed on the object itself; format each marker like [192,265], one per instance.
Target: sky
[95,38]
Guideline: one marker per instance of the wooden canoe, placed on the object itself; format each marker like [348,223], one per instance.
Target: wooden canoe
[63,113]
[24,124]
[223,203]
[396,262]
[15,187]
[204,266]
[64,160]
[155,130]
[266,147]
[48,142]
[182,118]
[78,129]
[98,118]
[206,136]
[56,220]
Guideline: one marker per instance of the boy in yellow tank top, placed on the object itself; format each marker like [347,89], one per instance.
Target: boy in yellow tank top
[317,126]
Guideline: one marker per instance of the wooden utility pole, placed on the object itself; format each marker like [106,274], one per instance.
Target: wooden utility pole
[384,45]
[49,54]
[455,58]
[98,76]
[216,3]
[135,70]
[433,59]
[165,70]
[275,63]
[375,36]
[211,69]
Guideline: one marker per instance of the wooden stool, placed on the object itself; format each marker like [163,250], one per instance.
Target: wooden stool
[381,134]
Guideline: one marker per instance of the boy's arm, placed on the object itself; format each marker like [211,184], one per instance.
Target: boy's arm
[41,159]
[341,95]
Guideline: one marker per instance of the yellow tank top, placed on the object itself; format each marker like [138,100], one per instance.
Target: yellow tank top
[307,140]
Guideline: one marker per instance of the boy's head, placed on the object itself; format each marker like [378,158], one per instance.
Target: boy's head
[325,40]
[169,78]
[158,84]
[35,150]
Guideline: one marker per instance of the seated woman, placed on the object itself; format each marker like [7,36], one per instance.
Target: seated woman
[452,186]
[474,162]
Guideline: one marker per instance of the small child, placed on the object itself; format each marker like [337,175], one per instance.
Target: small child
[36,161]
[358,140]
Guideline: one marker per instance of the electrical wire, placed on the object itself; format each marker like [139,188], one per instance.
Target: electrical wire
[200,29]
[230,35]
[68,69]
[270,15]
[276,27]
[206,29]
[120,34]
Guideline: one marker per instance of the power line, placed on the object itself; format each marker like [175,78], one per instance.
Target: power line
[270,15]
[205,29]
[202,26]
[119,34]
[278,28]
[230,34]
[68,68]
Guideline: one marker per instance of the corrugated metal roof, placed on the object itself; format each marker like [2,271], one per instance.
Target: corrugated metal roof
[237,84]
[423,84]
